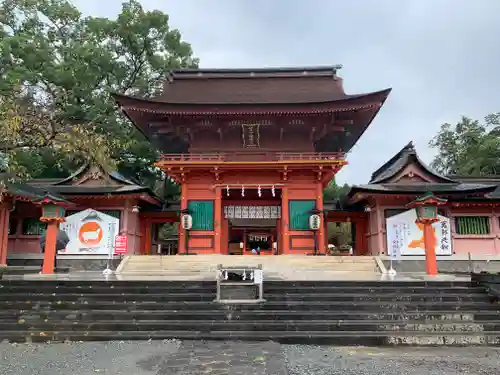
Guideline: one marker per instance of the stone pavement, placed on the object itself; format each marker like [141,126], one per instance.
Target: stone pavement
[283,276]
[172,357]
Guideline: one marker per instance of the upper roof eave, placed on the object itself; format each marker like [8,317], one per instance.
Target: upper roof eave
[125,101]
[295,69]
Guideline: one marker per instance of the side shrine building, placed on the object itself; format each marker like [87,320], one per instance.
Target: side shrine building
[252,151]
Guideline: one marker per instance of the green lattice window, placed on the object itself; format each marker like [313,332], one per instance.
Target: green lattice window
[33,227]
[472,225]
[203,214]
[300,210]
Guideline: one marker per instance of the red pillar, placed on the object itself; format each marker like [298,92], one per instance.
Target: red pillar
[182,233]
[218,221]
[430,250]
[285,242]
[50,247]
[147,236]
[322,229]
[4,233]
[145,225]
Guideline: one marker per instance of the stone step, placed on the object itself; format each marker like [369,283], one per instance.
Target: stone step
[305,267]
[235,315]
[285,298]
[285,326]
[250,258]
[374,306]
[192,284]
[370,338]
[23,270]
[268,290]
[211,288]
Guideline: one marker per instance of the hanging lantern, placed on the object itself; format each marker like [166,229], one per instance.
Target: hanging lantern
[242,191]
[273,191]
[259,191]
[227,190]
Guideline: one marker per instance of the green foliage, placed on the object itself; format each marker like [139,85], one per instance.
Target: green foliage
[334,192]
[64,61]
[339,234]
[168,231]
[469,148]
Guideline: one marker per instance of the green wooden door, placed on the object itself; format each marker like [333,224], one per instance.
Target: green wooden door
[300,210]
[202,213]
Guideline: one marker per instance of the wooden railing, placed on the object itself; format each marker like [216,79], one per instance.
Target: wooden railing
[311,155]
[253,156]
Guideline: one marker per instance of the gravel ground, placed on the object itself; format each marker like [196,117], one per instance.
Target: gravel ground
[113,358]
[172,357]
[306,360]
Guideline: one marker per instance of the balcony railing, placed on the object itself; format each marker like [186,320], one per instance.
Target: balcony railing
[253,156]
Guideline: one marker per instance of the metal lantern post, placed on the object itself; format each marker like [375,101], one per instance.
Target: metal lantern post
[426,208]
[187,223]
[53,213]
[315,225]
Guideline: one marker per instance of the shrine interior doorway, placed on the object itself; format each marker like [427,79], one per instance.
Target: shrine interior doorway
[248,236]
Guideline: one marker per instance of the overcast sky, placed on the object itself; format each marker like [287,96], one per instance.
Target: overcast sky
[441,57]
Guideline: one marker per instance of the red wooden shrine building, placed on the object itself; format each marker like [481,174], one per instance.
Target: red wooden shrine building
[252,151]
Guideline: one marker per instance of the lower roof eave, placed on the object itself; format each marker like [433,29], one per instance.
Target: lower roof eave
[452,196]
[137,195]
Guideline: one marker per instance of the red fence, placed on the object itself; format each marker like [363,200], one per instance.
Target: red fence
[253,156]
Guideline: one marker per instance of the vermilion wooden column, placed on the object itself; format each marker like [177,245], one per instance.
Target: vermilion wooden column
[430,249]
[147,236]
[4,233]
[182,233]
[50,247]
[285,217]
[218,221]
[322,229]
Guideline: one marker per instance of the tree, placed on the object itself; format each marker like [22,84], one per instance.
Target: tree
[469,147]
[26,128]
[334,191]
[63,60]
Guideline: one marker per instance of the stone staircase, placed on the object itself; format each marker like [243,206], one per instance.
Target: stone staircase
[282,267]
[333,312]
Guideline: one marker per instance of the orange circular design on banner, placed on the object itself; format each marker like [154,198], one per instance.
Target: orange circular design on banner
[90,233]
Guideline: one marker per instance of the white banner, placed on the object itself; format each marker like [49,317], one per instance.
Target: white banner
[90,232]
[406,237]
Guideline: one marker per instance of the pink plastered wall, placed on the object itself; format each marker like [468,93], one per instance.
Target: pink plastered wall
[477,245]
[30,244]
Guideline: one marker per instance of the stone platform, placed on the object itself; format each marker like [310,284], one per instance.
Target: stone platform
[281,267]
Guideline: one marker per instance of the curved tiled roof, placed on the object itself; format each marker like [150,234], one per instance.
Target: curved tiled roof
[422,188]
[406,156]
[253,86]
